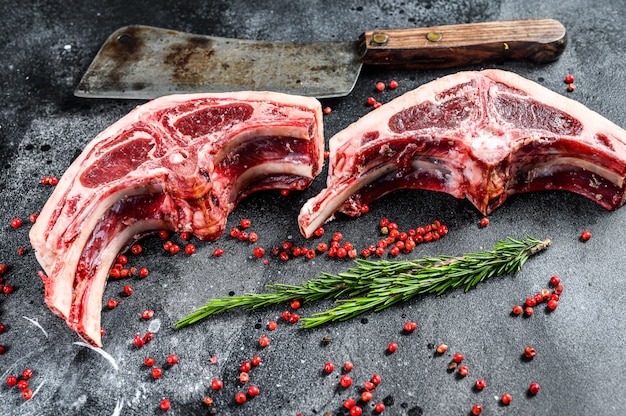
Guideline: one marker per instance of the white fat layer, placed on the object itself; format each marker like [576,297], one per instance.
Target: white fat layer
[93,304]
[177,158]
[270,169]
[548,168]
[334,196]
[491,148]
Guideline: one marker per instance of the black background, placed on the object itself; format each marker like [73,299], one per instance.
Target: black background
[45,48]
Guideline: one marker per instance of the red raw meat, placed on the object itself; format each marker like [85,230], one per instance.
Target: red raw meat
[479,135]
[180,163]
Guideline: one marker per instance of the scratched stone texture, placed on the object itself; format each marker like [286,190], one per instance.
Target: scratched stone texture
[45,48]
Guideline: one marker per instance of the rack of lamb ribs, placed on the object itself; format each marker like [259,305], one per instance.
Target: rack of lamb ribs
[476,135]
[179,163]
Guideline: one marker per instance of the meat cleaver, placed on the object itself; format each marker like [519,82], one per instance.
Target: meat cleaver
[143,62]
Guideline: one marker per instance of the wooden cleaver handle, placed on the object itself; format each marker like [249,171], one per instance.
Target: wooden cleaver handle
[536,40]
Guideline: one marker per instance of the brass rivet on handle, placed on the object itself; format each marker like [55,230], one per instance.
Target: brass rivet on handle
[434,36]
[380,39]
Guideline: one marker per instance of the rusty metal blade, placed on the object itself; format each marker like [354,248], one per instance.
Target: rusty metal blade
[144,62]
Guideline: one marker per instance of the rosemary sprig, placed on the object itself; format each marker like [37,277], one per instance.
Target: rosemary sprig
[376,285]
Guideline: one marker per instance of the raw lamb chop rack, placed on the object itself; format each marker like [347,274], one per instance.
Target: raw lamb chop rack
[476,135]
[180,163]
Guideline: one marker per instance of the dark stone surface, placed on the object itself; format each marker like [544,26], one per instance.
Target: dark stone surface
[47,45]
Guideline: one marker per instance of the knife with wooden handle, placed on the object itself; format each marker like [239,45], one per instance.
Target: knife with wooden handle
[143,62]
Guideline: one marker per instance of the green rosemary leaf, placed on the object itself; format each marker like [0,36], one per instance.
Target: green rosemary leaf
[375,285]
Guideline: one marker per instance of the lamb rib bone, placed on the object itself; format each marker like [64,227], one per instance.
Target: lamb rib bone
[476,135]
[181,163]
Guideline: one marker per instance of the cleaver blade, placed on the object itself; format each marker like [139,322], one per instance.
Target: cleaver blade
[144,62]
